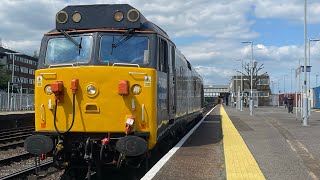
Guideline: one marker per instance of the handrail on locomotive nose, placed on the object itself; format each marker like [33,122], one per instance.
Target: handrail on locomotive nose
[59,65]
[126,64]
[142,73]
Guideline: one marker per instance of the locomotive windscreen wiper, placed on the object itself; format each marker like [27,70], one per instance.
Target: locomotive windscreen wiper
[125,37]
[72,40]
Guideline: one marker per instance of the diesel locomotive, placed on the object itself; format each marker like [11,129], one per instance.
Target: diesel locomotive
[110,86]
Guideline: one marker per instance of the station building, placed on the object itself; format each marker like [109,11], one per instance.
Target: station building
[213,92]
[24,69]
[261,89]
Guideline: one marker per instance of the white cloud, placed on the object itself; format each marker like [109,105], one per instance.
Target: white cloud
[288,9]
[221,24]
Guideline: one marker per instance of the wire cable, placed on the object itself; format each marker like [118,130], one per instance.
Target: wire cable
[55,116]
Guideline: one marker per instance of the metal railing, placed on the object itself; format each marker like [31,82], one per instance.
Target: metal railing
[16,102]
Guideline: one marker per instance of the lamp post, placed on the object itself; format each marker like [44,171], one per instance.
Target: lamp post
[284,84]
[251,98]
[305,100]
[317,80]
[291,80]
[10,104]
[236,89]
[272,92]
[279,92]
[309,49]
[241,85]
[309,100]
[241,100]
[300,89]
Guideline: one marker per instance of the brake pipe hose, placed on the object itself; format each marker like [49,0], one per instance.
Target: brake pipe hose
[55,116]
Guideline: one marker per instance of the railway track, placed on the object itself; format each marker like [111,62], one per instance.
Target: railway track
[23,172]
[14,137]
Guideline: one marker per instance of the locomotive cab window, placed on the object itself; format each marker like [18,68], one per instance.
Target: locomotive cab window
[124,49]
[63,50]
[163,56]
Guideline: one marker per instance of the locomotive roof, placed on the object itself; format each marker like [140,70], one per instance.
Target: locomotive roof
[101,16]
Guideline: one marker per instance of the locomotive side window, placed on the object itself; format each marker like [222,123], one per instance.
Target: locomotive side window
[163,56]
[119,49]
[62,50]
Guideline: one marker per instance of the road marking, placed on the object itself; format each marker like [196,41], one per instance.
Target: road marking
[155,169]
[240,163]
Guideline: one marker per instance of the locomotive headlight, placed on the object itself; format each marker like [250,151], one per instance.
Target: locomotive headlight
[118,16]
[47,89]
[91,90]
[133,15]
[62,17]
[136,89]
[76,17]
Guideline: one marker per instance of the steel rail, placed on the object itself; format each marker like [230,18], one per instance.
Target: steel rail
[11,145]
[15,158]
[25,171]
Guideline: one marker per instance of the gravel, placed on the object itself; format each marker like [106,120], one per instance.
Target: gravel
[18,166]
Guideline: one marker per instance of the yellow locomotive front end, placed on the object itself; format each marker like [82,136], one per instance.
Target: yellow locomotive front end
[95,89]
[110,86]
[95,99]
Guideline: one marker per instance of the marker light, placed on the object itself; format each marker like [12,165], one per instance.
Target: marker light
[136,89]
[48,90]
[76,17]
[91,90]
[118,16]
[62,17]
[133,15]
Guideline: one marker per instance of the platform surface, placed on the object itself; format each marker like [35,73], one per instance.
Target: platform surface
[271,144]
[282,147]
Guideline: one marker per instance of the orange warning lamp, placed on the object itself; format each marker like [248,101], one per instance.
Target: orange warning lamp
[123,88]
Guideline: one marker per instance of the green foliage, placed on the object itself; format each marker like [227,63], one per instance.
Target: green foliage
[4,78]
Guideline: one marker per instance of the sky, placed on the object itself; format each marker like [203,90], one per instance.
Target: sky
[209,33]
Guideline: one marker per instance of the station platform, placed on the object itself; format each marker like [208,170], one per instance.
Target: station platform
[16,119]
[229,144]
[5,113]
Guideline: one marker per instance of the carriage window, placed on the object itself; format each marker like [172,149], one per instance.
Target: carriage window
[163,56]
[124,49]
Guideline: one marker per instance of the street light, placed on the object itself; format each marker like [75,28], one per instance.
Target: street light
[236,89]
[305,100]
[251,99]
[241,86]
[309,100]
[12,78]
[284,84]
[311,40]
[272,92]
[291,80]
[279,92]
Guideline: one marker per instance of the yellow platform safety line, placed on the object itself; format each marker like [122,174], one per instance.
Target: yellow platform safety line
[240,163]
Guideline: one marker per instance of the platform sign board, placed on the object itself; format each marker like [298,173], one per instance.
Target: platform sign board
[302,68]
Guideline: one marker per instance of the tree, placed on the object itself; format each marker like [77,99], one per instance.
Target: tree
[255,76]
[4,78]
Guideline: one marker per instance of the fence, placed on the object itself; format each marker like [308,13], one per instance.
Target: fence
[16,101]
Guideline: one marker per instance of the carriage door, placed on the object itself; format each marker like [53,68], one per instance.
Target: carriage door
[171,82]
